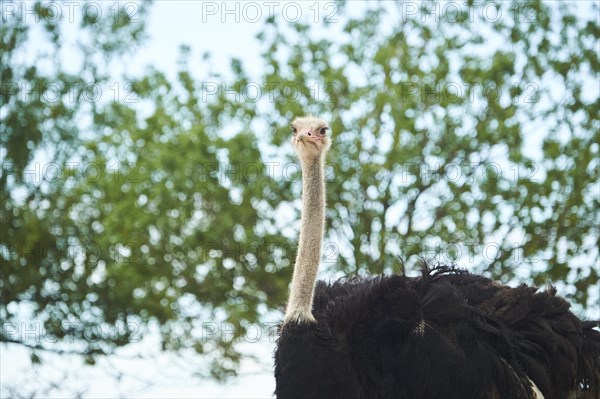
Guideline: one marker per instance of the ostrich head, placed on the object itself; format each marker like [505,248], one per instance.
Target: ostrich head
[309,137]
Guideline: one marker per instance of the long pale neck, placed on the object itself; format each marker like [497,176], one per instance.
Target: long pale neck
[311,238]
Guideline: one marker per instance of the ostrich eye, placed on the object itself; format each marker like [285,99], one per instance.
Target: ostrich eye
[294,130]
[323,130]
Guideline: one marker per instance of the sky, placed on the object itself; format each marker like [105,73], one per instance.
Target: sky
[227,30]
[170,26]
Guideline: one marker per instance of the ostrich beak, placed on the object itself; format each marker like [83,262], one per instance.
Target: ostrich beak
[304,138]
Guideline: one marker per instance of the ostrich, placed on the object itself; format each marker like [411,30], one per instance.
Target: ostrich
[445,334]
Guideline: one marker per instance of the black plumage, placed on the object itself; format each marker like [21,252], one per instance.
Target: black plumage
[446,334]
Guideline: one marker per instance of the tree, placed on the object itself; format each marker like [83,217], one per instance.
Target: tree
[467,135]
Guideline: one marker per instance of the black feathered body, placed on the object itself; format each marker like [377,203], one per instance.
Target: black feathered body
[446,334]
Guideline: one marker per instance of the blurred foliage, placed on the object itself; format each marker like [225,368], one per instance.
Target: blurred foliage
[461,137]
